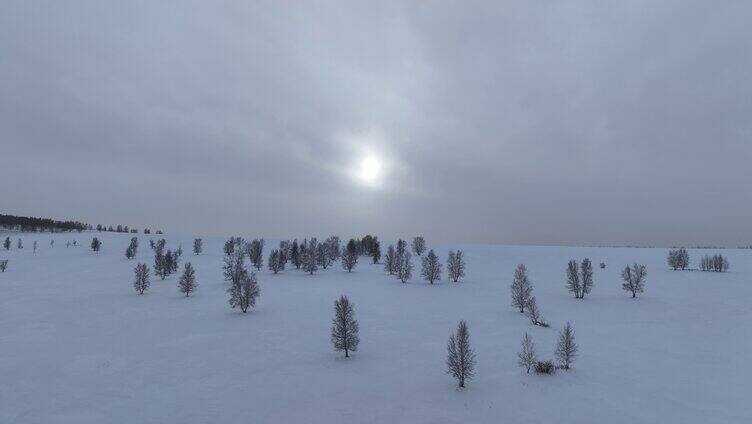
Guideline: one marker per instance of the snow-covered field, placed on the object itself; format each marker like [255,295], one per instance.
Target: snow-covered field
[78,345]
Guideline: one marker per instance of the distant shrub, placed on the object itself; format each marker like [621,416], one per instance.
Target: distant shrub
[3,265]
[678,258]
[544,367]
[717,263]
[603,265]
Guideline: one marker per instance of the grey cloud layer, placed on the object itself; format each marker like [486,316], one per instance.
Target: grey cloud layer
[521,122]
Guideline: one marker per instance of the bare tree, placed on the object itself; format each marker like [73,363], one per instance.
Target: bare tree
[6,243]
[310,263]
[244,294]
[533,313]
[634,279]
[526,357]
[345,327]
[460,356]
[717,263]
[295,256]
[586,277]
[431,267]
[198,246]
[456,265]
[350,257]
[322,255]
[376,251]
[3,265]
[276,262]
[405,267]
[566,348]
[187,283]
[521,288]
[333,250]
[419,245]
[573,278]
[390,260]
[234,269]
[256,252]
[141,278]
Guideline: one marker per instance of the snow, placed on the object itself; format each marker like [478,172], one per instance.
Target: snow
[78,345]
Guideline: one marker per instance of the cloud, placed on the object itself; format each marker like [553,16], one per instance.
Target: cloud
[524,122]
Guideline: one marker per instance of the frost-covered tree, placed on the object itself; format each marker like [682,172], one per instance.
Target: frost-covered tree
[160,266]
[34,247]
[344,327]
[141,278]
[431,267]
[521,288]
[390,260]
[526,357]
[350,256]
[52,243]
[460,356]
[678,258]
[717,263]
[295,256]
[419,245]
[96,245]
[244,294]
[322,255]
[19,245]
[130,251]
[6,243]
[401,247]
[534,313]
[229,246]
[455,265]
[376,251]
[404,266]
[284,250]
[566,348]
[256,252]
[586,277]
[310,262]
[234,269]
[332,247]
[198,246]
[3,265]
[187,283]
[276,261]
[573,278]
[634,279]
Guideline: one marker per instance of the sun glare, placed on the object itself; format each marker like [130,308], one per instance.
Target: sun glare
[370,169]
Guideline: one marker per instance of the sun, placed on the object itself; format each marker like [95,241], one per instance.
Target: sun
[370,169]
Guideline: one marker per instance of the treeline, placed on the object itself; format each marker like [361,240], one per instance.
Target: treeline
[34,224]
[123,229]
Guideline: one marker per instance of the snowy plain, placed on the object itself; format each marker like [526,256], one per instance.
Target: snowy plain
[78,345]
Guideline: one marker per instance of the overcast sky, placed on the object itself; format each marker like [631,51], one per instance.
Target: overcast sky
[540,122]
